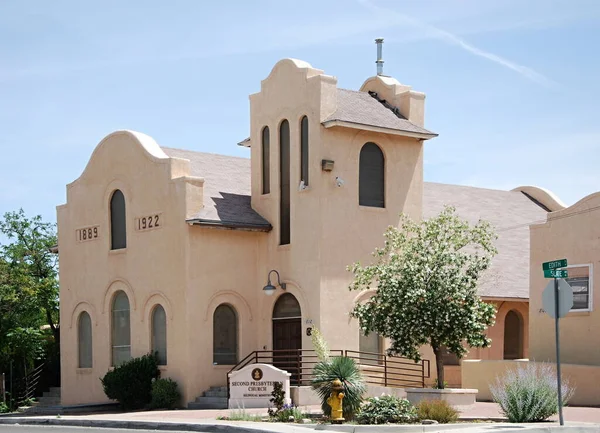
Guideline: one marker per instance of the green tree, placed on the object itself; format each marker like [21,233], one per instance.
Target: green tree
[426,279]
[30,265]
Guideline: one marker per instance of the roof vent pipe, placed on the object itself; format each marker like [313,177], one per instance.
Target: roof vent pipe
[379,61]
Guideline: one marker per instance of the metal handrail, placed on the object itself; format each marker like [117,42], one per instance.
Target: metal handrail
[396,371]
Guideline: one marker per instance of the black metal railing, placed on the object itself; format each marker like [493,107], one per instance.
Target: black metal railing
[377,369]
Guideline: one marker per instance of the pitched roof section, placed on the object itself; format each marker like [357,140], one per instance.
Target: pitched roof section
[226,190]
[360,108]
[511,213]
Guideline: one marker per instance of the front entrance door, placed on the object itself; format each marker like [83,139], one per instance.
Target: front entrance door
[287,336]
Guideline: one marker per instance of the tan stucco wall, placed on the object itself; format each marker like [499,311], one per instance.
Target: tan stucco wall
[573,234]
[90,273]
[190,269]
[481,374]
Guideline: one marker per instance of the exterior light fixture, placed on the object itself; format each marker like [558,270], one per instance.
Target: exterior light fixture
[326,165]
[269,289]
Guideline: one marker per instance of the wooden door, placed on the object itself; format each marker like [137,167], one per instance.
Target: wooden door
[287,342]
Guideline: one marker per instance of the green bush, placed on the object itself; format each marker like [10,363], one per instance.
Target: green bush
[437,410]
[347,371]
[386,409]
[529,394]
[4,408]
[165,394]
[131,382]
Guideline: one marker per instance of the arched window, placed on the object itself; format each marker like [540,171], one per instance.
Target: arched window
[225,327]
[118,221]
[513,336]
[284,182]
[121,332]
[370,348]
[286,307]
[159,334]
[371,176]
[304,150]
[266,158]
[84,338]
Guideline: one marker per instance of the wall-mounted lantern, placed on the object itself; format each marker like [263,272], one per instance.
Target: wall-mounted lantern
[269,289]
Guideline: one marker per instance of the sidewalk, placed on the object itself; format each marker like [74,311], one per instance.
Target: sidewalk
[578,420]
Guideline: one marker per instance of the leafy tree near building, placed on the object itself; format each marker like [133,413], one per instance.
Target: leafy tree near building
[28,291]
[425,279]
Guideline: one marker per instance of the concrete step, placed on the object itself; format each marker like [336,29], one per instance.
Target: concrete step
[49,401]
[219,393]
[55,389]
[52,393]
[208,403]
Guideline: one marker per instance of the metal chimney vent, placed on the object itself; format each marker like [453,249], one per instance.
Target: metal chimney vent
[379,61]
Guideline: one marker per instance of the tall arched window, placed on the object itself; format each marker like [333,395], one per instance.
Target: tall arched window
[304,150]
[284,182]
[371,176]
[159,334]
[84,338]
[118,221]
[266,161]
[121,331]
[513,336]
[225,327]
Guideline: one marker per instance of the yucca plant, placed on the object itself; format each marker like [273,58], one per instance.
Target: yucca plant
[529,394]
[347,371]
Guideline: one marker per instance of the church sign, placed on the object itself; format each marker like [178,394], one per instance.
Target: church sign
[252,386]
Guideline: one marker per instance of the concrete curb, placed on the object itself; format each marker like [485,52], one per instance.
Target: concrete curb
[300,428]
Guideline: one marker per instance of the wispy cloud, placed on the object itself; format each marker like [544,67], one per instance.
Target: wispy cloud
[453,39]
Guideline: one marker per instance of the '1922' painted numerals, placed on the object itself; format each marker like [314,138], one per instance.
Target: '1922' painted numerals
[86,234]
[149,222]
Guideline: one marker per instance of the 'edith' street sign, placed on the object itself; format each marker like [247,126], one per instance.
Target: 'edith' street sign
[554,264]
[556,273]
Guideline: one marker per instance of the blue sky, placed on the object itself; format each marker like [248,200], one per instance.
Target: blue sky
[512,85]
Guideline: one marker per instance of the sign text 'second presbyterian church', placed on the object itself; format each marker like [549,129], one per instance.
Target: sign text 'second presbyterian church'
[168,250]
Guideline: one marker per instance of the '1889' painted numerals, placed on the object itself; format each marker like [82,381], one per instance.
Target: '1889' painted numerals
[87,234]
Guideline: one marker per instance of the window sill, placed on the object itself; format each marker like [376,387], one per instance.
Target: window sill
[223,366]
[578,313]
[163,368]
[268,195]
[84,370]
[372,208]
[119,251]
[285,247]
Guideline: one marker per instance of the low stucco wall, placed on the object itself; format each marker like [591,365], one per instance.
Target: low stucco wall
[305,396]
[584,378]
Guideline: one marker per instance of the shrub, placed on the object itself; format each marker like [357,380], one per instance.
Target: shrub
[278,399]
[165,394]
[437,410]
[529,394]
[347,371]
[131,382]
[240,415]
[4,408]
[386,409]
[286,412]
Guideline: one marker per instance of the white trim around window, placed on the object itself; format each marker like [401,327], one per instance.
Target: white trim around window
[590,267]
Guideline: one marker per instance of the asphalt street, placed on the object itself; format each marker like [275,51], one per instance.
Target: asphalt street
[61,429]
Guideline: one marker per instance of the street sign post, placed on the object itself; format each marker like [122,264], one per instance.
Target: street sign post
[557,299]
[556,273]
[554,264]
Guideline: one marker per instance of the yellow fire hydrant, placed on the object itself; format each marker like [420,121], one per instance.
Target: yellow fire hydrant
[335,402]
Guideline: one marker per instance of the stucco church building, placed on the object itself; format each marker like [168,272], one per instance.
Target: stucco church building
[207,258]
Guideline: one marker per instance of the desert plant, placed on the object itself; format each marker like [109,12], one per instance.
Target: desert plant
[386,409]
[529,394]
[131,382]
[437,410]
[321,347]
[165,394]
[347,371]
[240,415]
[288,413]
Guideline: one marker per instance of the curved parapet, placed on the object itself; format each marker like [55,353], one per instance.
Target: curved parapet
[293,64]
[150,147]
[588,203]
[543,196]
